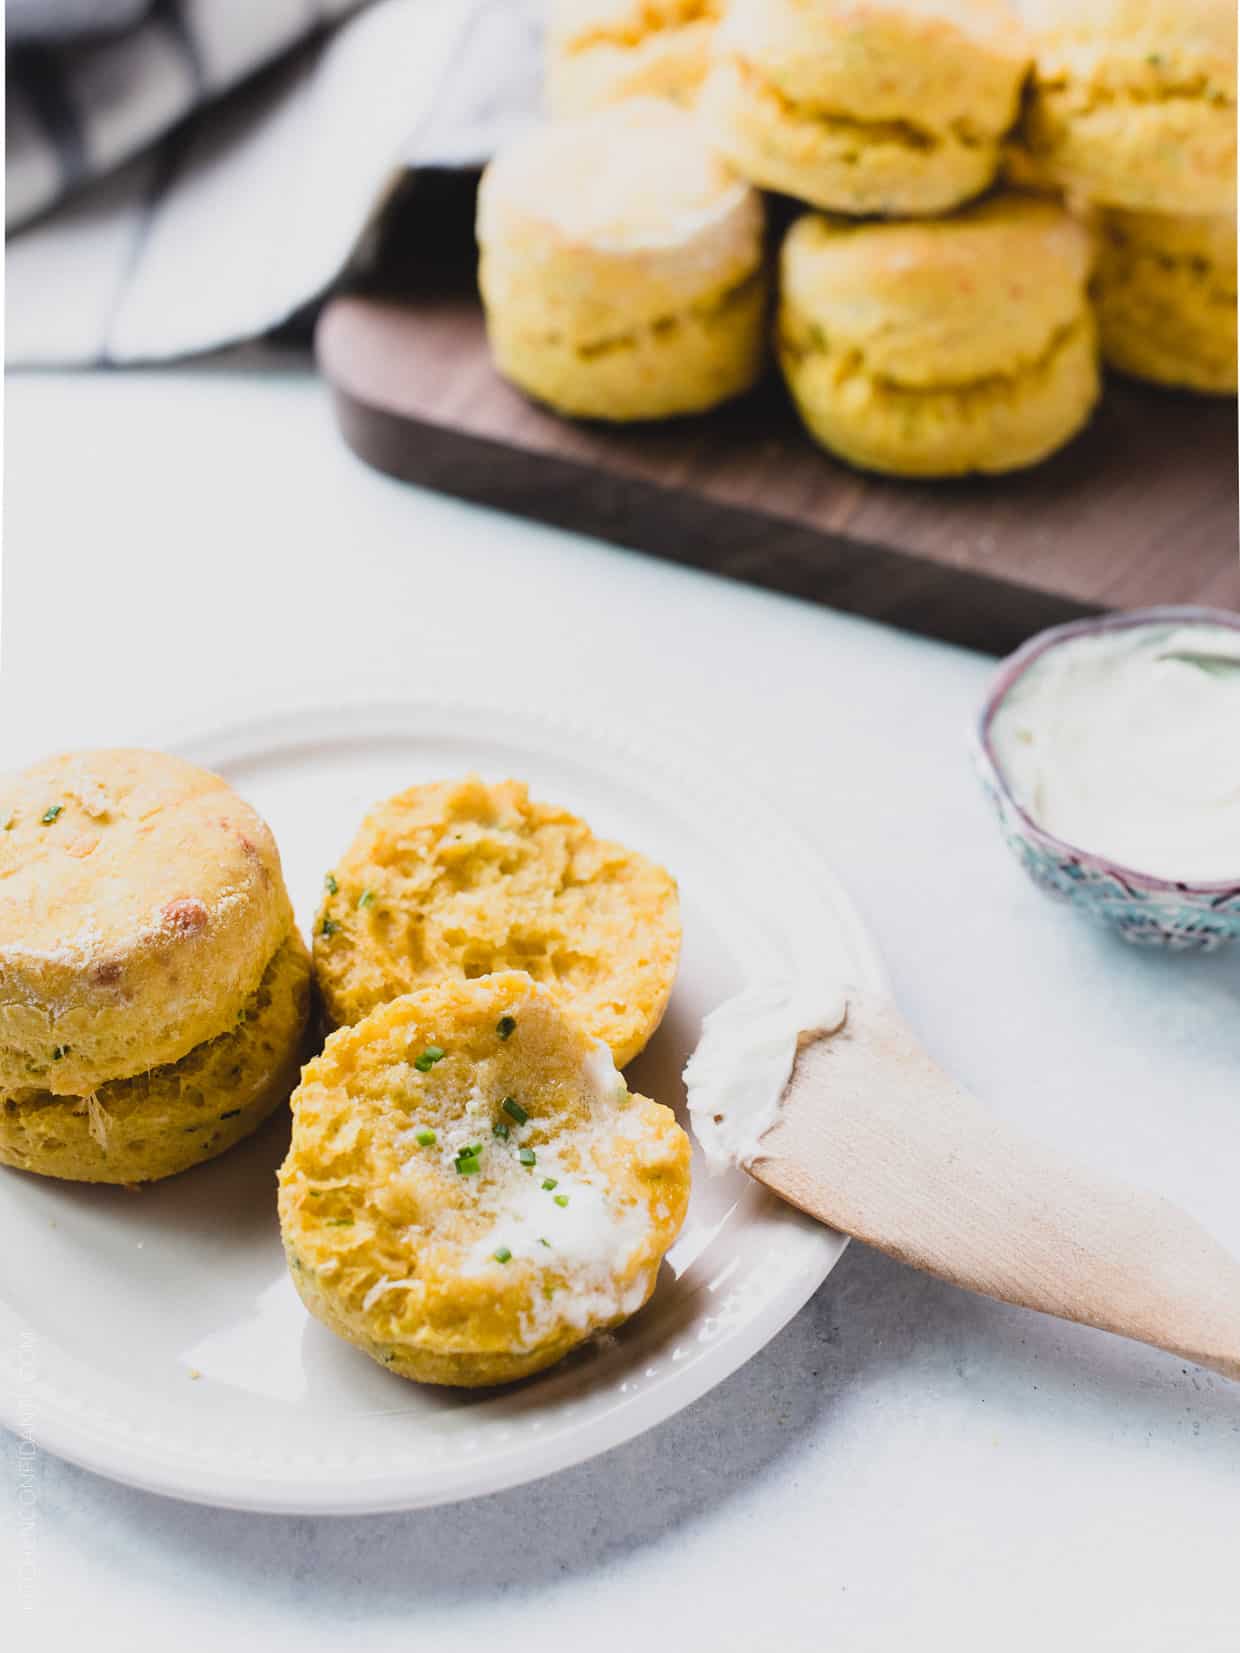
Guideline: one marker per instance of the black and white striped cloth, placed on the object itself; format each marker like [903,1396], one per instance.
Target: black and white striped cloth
[143,234]
[45,21]
[93,82]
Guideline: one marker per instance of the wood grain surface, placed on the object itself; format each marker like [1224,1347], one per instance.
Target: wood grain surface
[1142,508]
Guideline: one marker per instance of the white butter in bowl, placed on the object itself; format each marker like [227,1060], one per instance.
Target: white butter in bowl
[1112,751]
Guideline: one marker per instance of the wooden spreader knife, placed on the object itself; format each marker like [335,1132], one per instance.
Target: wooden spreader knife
[872,1138]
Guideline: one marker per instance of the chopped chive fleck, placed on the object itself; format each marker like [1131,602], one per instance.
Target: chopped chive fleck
[506,1026]
[549,1183]
[500,1129]
[426,1139]
[527,1156]
[503,1255]
[547,1243]
[49,815]
[365,899]
[331,884]
[468,1165]
[560,1199]
[514,1110]
[330,927]
[340,1222]
[231,1114]
[428,1058]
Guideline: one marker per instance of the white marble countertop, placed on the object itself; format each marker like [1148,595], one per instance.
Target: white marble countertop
[904,1466]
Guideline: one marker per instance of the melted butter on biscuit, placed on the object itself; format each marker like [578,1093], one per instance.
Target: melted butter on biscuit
[577,1227]
[469,1165]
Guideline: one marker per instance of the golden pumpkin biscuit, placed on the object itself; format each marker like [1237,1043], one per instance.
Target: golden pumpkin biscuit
[458,879]
[140,903]
[470,1190]
[684,364]
[867,106]
[621,266]
[1133,102]
[155,1124]
[602,51]
[1165,292]
[935,349]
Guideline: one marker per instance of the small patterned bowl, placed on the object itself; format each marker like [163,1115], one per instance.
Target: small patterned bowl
[1148,911]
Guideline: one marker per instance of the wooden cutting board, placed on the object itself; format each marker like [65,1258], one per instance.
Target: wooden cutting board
[1140,509]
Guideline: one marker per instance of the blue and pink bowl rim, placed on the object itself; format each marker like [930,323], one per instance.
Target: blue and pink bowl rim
[1148,911]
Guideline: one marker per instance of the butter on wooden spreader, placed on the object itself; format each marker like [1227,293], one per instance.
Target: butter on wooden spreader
[836,1108]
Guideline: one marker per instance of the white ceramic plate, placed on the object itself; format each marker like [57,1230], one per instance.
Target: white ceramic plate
[155,1337]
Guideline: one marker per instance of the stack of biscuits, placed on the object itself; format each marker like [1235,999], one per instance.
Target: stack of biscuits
[920,331]
[154,992]
[996,199]
[1132,114]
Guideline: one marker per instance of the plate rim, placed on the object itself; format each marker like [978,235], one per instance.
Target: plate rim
[229,740]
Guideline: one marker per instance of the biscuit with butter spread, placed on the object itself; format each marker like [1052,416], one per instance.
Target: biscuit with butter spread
[470,1190]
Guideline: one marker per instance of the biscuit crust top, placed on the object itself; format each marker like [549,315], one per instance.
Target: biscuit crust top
[600,52]
[584,23]
[611,220]
[943,302]
[140,903]
[619,179]
[1133,102]
[1176,236]
[1186,45]
[930,63]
